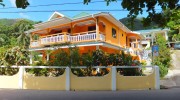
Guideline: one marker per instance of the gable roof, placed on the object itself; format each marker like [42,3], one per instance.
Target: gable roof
[82,14]
[53,20]
[150,31]
[55,15]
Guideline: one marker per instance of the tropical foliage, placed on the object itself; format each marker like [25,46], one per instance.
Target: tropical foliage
[72,58]
[15,56]
[163,59]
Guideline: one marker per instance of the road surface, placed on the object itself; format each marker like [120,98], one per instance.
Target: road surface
[167,94]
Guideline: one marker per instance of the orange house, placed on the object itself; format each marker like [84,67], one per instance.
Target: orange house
[86,31]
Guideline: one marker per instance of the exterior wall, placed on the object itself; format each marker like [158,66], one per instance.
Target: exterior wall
[87,49]
[9,81]
[45,83]
[82,83]
[119,40]
[135,82]
[90,83]
[109,50]
[80,29]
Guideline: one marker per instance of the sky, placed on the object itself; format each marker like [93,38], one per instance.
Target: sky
[43,16]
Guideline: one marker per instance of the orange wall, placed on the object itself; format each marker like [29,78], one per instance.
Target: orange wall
[119,40]
[108,50]
[106,29]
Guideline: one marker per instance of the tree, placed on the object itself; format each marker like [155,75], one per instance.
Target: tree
[20,27]
[15,56]
[136,7]
[163,59]
[1,40]
[174,22]
[19,3]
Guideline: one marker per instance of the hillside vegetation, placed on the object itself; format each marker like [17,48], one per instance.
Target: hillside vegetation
[137,24]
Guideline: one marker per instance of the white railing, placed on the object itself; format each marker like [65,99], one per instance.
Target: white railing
[136,45]
[52,39]
[102,37]
[84,37]
[35,44]
[61,38]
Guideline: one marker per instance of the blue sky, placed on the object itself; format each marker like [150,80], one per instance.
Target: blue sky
[43,16]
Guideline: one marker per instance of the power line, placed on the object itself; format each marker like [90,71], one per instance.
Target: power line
[70,3]
[63,10]
[71,10]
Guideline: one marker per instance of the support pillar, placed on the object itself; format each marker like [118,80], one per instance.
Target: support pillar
[67,79]
[157,78]
[113,77]
[97,30]
[31,56]
[47,57]
[21,77]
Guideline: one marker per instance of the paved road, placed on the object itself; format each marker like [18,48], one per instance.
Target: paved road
[168,94]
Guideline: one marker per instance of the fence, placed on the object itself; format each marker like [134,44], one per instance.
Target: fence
[68,81]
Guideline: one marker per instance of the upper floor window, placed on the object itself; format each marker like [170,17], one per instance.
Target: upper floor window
[92,28]
[122,34]
[69,30]
[114,33]
[58,31]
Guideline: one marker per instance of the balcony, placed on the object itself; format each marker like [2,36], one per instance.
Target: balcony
[35,43]
[62,38]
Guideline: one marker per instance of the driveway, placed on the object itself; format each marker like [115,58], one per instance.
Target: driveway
[169,94]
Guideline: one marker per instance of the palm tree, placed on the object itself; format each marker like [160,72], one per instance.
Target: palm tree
[1,41]
[20,28]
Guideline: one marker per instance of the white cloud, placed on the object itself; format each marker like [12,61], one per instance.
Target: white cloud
[13,3]
[24,15]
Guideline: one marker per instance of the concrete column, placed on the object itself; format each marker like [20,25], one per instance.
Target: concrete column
[152,41]
[166,35]
[97,47]
[157,78]
[47,57]
[113,81]
[31,56]
[136,43]
[67,79]
[21,77]
[97,30]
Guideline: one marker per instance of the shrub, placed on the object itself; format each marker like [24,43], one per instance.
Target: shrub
[48,72]
[163,59]
[60,59]
[8,71]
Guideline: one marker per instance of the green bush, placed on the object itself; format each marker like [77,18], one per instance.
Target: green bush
[164,58]
[53,72]
[8,71]
[72,58]
[61,58]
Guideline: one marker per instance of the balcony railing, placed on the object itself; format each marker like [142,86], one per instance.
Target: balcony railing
[85,37]
[136,45]
[60,38]
[35,43]
[52,39]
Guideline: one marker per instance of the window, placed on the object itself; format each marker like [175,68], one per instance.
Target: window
[58,31]
[122,34]
[113,33]
[69,30]
[91,28]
